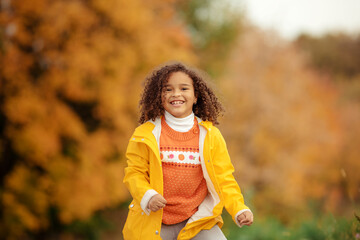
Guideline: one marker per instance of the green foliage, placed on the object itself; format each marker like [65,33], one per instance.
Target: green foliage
[325,227]
[89,229]
[337,54]
[214,27]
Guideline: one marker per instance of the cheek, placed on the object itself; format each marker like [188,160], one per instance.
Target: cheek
[163,97]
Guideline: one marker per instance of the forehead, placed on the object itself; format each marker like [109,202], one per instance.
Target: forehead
[179,78]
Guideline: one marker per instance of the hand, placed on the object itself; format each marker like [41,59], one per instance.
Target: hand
[246,218]
[156,203]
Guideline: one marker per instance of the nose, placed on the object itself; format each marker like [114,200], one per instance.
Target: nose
[176,93]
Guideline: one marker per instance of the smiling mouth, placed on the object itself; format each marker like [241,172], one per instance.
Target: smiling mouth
[176,102]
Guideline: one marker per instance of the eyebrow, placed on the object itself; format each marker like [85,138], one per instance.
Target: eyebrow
[182,84]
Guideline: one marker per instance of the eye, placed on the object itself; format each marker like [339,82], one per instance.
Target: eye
[184,88]
[167,89]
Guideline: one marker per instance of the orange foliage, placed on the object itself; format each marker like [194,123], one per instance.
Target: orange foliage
[69,88]
[286,133]
[71,74]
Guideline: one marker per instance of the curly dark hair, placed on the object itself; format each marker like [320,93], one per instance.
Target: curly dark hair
[207,106]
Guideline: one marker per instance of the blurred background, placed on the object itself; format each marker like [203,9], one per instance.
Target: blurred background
[71,73]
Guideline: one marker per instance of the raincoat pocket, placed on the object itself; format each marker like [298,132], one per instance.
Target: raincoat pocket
[134,223]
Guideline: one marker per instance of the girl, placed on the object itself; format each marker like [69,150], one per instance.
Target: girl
[179,172]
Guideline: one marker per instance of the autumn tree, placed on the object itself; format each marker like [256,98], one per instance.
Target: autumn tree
[70,81]
[337,54]
[213,27]
[284,129]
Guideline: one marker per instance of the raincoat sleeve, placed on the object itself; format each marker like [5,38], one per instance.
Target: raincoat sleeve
[230,190]
[136,177]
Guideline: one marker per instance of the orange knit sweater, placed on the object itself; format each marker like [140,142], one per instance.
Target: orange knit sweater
[184,184]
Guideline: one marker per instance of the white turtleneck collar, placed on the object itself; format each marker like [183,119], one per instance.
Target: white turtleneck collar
[180,124]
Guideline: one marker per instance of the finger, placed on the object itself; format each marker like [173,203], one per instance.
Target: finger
[240,217]
[244,224]
[160,206]
[155,209]
[244,221]
[162,200]
[247,222]
[248,215]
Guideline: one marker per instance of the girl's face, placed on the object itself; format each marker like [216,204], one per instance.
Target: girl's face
[178,95]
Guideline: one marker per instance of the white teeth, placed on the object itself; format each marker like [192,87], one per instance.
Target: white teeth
[177,102]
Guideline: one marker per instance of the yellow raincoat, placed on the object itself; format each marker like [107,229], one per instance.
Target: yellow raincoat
[144,172]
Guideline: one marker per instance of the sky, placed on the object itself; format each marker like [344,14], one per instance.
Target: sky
[292,17]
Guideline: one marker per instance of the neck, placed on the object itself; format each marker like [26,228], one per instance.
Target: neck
[180,124]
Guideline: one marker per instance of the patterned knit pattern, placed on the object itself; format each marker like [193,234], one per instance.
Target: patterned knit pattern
[184,184]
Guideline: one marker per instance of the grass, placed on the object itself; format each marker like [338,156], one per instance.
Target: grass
[320,228]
